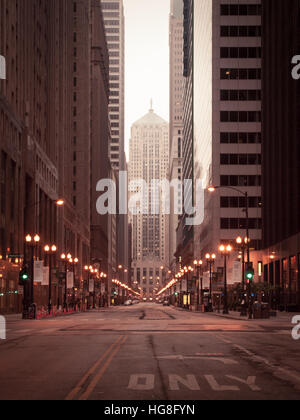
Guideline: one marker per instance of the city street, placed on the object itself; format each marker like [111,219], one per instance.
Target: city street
[149,352]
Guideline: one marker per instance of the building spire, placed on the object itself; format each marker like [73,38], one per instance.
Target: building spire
[151,105]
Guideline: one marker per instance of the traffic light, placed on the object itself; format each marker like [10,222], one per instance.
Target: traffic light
[249,272]
[24,275]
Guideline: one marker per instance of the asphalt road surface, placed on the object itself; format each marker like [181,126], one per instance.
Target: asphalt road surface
[149,352]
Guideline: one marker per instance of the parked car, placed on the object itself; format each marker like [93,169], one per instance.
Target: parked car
[166,303]
[128,303]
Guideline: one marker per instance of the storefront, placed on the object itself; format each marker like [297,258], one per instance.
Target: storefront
[11,294]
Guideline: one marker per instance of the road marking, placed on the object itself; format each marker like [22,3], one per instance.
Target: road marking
[99,375]
[135,385]
[189,382]
[80,384]
[250,382]
[146,382]
[278,372]
[219,388]
[223,360]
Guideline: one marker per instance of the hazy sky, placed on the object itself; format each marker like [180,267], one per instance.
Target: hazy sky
[146,60]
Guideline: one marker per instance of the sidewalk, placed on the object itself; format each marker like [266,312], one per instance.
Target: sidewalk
[281,316]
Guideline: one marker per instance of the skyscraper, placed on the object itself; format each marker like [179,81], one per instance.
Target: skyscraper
[56,89]
[149,160]
[223,41]
[176,115]
[113,14]
[185,233]
[281,151]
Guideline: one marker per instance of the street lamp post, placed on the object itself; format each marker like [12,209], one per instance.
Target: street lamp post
[225,251]
[74,262]
[65,258]
[33,243]
[50,251]
[88,271]
[243,243]
[210,258]
[199,287]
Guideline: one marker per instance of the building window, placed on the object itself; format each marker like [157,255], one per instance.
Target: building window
[240,116]
[240,31]
[240,95]
[240,180]
[241,10]
[241,159]
[240,74]
[240,138]
[240,52]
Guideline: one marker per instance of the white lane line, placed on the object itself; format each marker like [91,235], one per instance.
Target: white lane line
[224,360]
[281,373]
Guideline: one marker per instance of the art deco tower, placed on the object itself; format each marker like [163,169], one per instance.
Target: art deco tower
[149,159]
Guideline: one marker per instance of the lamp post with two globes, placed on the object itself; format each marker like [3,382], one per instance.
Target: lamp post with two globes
[210,258]
[199,266]
[31,242]
[50,251]
[225,251]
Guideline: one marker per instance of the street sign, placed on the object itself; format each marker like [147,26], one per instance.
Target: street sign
[70,280]
[45,276]
[38,271]
[92,286]
[15,256]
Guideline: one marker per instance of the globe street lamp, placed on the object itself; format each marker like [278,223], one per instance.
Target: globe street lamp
[242,243]
[225,251]
[64,258]
[32,242]
[50,251]
[199,267]
[210,258]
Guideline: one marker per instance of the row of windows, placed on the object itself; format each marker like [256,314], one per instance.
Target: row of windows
[240,116]
[240,138]
[240,95]
[110,6]
[240,74]
[240,202]
[240,31]
[111,23]
[240,52]
[241,223]
[240,159]
[240,180]
[241,10]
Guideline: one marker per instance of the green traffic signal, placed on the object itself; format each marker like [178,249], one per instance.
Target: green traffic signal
[250,276]
[249,271]
[24,276]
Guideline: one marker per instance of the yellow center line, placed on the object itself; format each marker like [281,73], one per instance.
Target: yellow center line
[80,384]
[99,375]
